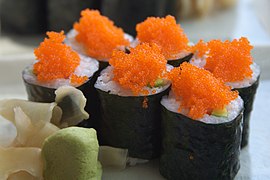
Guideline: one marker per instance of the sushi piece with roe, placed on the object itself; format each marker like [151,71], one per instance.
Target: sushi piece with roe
[232,62]
[96,36]
[201,126]
[135,81]
[229,60]
[191,86]
[142,67]
[166,33]
[56,60]
[56,65]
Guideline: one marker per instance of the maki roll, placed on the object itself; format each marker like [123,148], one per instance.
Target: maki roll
[232,62]
[168,35]
[57,65]
[96,36]
[130,91]
[201,127]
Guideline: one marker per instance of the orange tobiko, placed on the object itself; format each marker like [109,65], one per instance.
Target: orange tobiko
[98,34]
[141,67]
[55,59]
[230,61]
[199,91]
[165,33]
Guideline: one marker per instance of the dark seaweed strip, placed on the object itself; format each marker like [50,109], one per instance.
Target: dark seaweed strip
[127,50]
[102,65]
[177,62]
[196,150]
[39,93]
[92,95]
[126,124]
[248,95]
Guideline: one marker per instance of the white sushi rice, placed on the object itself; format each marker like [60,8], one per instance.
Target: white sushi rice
[73,43]
[106,83]
[233,108]
[87,67]
[78,47]
[200,62]
[247,81]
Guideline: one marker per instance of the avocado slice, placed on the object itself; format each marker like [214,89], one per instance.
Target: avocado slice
[220,112]
[159,82]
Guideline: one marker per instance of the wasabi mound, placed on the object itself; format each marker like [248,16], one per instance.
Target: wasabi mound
[70,154]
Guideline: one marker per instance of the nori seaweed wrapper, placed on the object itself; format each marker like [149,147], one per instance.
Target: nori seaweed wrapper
[177,62]
[38,93]
[196,150]
[248,96]
[127,124]
[102,65]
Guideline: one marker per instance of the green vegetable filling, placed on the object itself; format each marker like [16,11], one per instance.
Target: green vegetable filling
[220,112]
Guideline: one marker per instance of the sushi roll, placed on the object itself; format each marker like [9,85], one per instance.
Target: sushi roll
[58,65]
[130,91]
[201,126]
[168,35]
[232,62]
[96,36]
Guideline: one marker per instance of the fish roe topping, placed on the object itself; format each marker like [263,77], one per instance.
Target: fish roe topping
[140,68]
[230,61]
[199,91]
[55,59]
[200,49]
[164,32]
[77,80]
[98,34]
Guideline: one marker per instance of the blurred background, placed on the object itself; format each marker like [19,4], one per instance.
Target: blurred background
[24,22]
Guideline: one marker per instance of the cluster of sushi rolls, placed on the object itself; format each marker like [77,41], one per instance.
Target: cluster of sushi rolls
[130,91]
[201,126]
[169,35]
[189,115]
[232,62]
[57,65]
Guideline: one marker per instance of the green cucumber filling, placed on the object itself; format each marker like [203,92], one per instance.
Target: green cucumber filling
[220,112]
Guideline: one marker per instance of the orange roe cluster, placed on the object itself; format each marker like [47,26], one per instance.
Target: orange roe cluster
[141,67]
[164,32]
[55,59]
[98,34]
[230,61]
[200,49]
[77,80]
[199,91]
